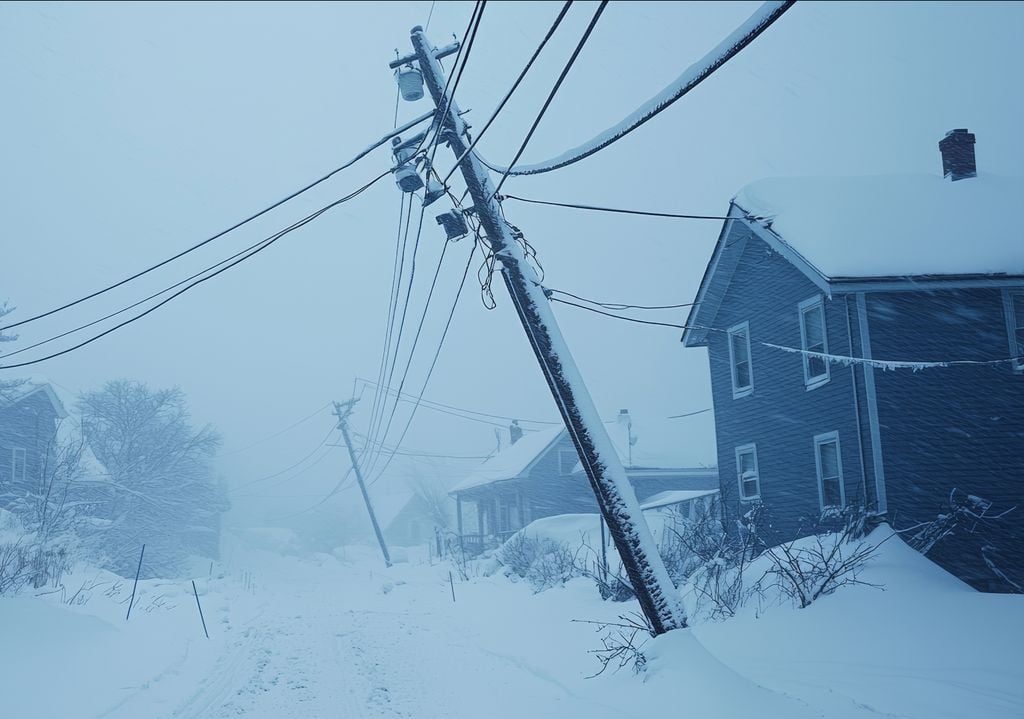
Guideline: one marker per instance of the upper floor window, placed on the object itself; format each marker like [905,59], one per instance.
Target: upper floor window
[829,463]
[746,472]
[1013,301]
[813,340]
[18,463]
[739,360]
[567,461]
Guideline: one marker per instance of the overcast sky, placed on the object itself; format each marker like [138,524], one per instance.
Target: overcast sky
[130,131]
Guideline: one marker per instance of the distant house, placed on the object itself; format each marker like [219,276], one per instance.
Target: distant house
[816,289]
[37,442]
[29,416]
[539,475]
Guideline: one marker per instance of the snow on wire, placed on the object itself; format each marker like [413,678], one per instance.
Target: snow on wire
[691,77]
[845,360]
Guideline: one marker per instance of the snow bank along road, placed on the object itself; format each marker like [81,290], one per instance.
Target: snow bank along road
[339,636]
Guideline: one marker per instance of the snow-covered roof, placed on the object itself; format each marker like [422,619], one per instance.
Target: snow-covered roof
[675,496]
[895,226]
[513,461]
[31,386]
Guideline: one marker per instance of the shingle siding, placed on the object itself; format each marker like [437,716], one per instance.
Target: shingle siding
[781,416]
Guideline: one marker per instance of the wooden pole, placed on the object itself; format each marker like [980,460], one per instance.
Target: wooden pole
[342,410]
[201,617]
[136,585]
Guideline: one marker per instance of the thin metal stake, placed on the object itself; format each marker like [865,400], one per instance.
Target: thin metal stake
[452,583]
[201,617]
[136,585]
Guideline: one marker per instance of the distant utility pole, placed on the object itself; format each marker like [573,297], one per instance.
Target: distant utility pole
[342,410]
[615,496]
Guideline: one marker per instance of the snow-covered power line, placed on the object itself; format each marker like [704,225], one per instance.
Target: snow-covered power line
[882,364]
[511,91]
[691,77]
[554,91]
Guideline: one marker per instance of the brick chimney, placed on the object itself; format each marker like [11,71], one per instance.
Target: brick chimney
[957,149]
[515,432]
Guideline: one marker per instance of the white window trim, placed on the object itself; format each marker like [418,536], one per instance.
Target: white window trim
[1011,326]
[819,440]
[817,380]
[744,449]
[14,464]
[738,392]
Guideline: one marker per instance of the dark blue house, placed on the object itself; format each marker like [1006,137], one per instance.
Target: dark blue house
[866,344]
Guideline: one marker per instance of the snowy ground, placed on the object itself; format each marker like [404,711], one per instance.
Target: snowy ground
[340,636]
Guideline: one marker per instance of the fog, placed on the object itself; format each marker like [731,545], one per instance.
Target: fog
[132,131]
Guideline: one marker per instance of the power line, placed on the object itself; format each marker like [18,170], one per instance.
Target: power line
[757,23]
[883,364]
[508,95]
[267,242]
[426,25]
[617,305]
[690,414]
[431,404]
[382,434]
[276,434]
[417,453]
[433,363]
[400,245]
[644,213]
[416,338]
[289,467]
[377,409]
[474,23]
[311,185]
[554,91]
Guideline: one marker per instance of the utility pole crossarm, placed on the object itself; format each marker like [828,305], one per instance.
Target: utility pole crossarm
[615,495]
[343,410]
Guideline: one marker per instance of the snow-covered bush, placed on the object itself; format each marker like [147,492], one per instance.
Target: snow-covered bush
[807,569]
[965,514]
[30,556]
[542,562]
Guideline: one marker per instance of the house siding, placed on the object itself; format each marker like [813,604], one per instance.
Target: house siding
[31,424]
[780,416]
[959,427]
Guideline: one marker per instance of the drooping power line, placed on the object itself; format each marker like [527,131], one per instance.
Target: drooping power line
[746,33]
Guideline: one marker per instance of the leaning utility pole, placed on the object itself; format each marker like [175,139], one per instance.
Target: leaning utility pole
[342,410]
[615,496]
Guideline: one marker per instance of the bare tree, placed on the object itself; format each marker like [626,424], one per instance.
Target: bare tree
[160,468]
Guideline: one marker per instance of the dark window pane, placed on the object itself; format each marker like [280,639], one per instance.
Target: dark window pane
[830,493]
[829,460]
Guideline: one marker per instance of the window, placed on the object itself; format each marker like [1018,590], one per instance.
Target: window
[567,461]
[812,339]
[746,472]
[1013,301]
[828,460]
[739,360]
[18,464]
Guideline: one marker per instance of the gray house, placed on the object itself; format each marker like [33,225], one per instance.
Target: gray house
[865,339]
[29,415]
[539,475]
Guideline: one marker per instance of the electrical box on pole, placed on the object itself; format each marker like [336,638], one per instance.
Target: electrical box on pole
[615,496]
